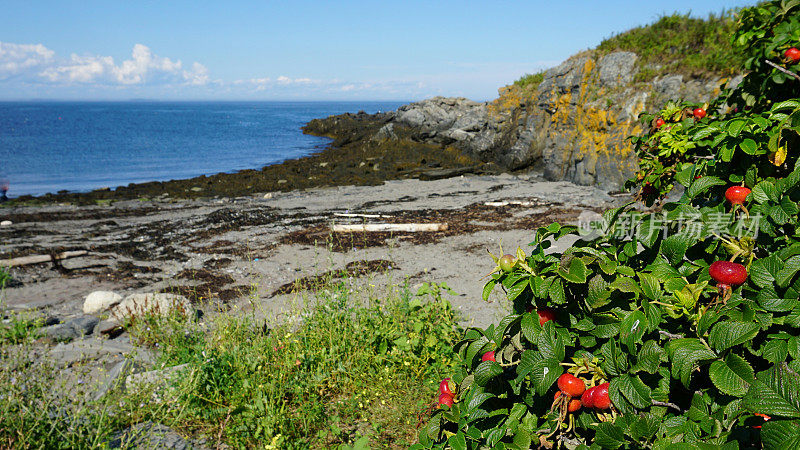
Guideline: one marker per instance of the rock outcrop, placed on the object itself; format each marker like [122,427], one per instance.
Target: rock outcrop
[573,126]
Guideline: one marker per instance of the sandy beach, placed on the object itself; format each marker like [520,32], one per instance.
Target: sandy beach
[262,251]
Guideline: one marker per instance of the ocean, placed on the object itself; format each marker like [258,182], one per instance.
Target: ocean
[80,146]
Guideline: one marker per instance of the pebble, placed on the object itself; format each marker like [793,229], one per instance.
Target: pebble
[6,223]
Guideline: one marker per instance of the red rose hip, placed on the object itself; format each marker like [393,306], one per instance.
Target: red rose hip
[444,387]
[600,398]
[574,405]
[545,315]
[729,273]
[571,385]
[792,54]
[699,113]
[659,122]
[588,397]
[737,194]
[445,400]
[488,356]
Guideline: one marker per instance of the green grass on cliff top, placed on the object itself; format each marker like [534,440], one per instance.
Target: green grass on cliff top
[679,44]
[674,44]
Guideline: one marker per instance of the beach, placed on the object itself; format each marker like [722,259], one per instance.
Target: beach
[244,253]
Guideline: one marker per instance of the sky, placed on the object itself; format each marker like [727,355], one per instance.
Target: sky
[300,50]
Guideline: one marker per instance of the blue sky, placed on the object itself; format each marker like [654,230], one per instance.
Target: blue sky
[300,50]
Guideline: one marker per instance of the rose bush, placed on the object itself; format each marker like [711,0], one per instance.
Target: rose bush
[636,311]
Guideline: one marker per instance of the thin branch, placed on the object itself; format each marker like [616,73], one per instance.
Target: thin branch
[669,405]
[787,72]
[670,335]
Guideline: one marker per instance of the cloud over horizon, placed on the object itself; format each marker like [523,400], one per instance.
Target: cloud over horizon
[34,71]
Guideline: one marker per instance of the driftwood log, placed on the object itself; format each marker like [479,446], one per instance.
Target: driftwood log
[400,227]
[36,259]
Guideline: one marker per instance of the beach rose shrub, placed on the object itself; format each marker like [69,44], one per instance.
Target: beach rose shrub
[664,354]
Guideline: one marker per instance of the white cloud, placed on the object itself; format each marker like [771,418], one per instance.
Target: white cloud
[198,76]
[37,63]
[80,69]
[144,63]
[17,58]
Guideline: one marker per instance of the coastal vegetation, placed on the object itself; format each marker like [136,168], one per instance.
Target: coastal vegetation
[672,326]
[349,367]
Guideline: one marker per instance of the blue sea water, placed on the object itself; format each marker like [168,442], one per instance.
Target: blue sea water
[80,146]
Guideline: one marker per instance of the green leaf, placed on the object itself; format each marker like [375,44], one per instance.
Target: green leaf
[787,104]
[485,371]
[632,328]
[763,271]
[775,351]
[557,291]
[550,344]
[735,127]
[775,392]
[674,247]
[781,434]
[626,284]
[648,358]
[598,292]
[634,390]
[790,268]
[530,326]
[457,441]
[733,376]
[703,184]
[517,289]
[544,374]
[749,146]
[686,354]
[765,191]
[726,334]
[609,435]
[577,271]
[651,286]
[487,289]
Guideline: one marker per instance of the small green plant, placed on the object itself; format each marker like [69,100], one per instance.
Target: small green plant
[530,81]
[5,278]
[18,329]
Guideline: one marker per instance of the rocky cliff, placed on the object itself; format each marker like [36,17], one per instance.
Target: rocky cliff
[572,126]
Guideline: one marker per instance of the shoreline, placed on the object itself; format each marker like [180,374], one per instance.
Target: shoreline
[345,161]
[238,242]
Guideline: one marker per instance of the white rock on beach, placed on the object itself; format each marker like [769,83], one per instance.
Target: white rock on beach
[152,303]
[6,223]
[99,301]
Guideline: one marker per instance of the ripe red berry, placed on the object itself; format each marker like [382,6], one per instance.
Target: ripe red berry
[571,385]
[574,405]
[445,388]
[445,400]
[588,397]
[659,122]
[600,398]
[726,272]
[545,315]
[737,194]
[488,356]
[792,54]
[699,113]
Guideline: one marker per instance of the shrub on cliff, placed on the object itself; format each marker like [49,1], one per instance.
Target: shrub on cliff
[690,314]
